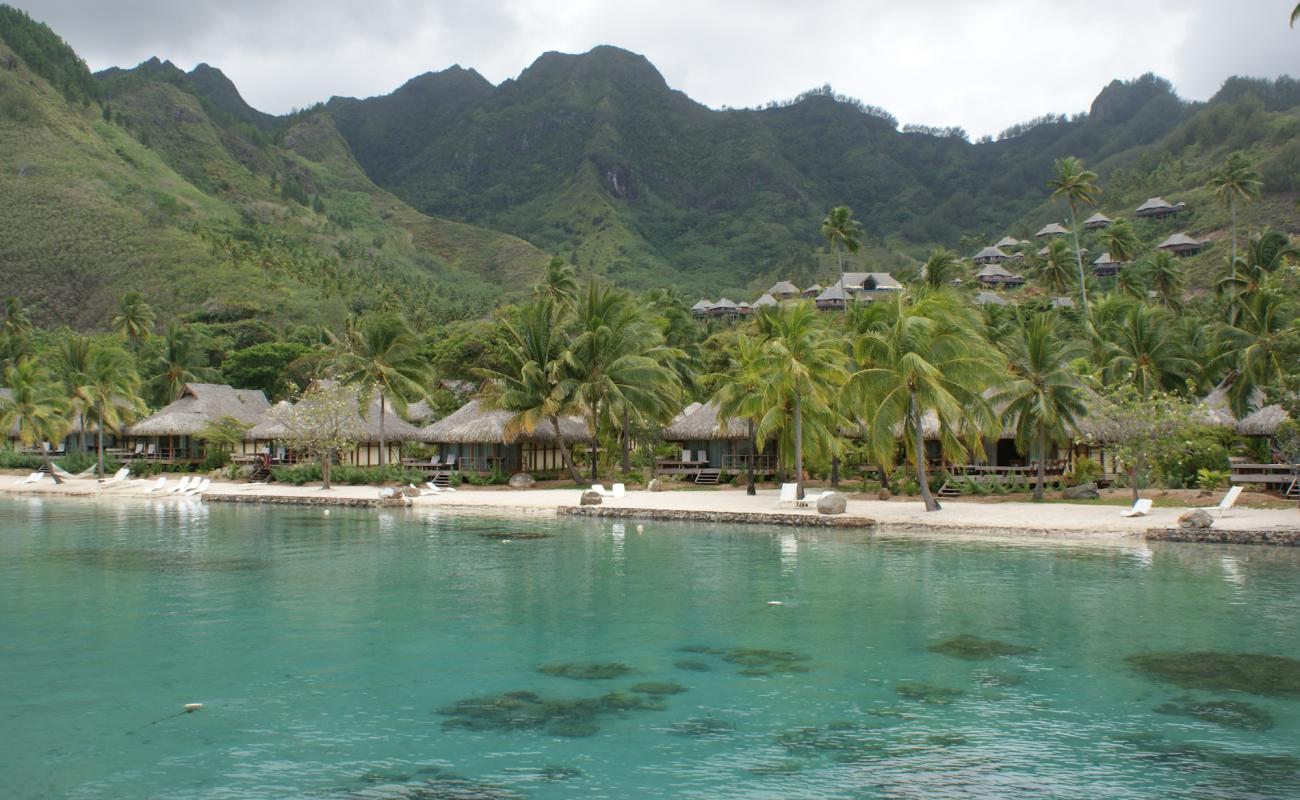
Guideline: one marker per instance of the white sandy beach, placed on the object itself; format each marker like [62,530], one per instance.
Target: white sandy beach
[1055,519]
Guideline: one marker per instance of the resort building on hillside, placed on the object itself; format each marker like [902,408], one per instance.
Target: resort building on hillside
[1103,266]
[1180,244]
[701,308]
[859,282]
[1008,242]
[997,275]
[1051,229]
[1158,208]
[476,439]
[990,255]
[812,291]
[784,290]
[172,434]
[832,298]
[766,301]
[1097,222]
[710,448]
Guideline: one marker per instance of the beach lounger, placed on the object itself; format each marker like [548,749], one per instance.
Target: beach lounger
[686,456]
[118,477]
[619,490]
[451,462]
[1228,501]
[702,456]
[152,452]
[181,485]
[789,494]
[158,485]
[198,487]
[601,490]
[33,478]
[387,492]
[1140,509]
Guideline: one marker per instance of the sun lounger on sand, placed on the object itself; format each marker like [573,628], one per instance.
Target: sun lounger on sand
[33,478]
[181,485]
[436,489]
[1229,500]
[790,496]
[619,490]
[118,477]
[158,485]
[198,487]
[1140,509]
[601,490]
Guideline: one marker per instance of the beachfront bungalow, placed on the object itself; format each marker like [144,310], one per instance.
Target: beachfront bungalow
[812,291]
[990,255]
[709,447]
[994,275]
[1103,266]
[1158,208]
[1097,222]
[267,441]
[1180,244]
[784,290]
[1051,229]
[171,434]
[479,440]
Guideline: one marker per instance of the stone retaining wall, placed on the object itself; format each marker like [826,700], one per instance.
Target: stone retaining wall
[301,500]
[673,515]
[1277,538]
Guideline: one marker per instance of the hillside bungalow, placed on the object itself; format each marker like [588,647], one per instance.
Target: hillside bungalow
[1007,242]
[1103,266]
[701,308]
[997,275]
[990,255]
[170,435]
[812,291]
[871,282]
[784,290]
[832,298]
[709,447]
[1097,222]
[1158,208]
[725,309]
[766,301]
[1051,229]
[478,440]
[1180,244]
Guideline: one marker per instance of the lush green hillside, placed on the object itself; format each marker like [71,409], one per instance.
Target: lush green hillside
[176,187]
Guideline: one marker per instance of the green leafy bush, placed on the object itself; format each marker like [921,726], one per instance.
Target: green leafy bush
[1178,462]
[348,475]
[1211,479]
[1085,471]
[12,459]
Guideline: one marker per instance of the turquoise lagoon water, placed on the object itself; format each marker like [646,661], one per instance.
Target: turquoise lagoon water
[331,651]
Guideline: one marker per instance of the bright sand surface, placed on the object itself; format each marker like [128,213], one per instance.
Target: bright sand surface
[1060,519]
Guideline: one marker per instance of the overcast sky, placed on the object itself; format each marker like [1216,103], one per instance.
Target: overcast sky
[981,65]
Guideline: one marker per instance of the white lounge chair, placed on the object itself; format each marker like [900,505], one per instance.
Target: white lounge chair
[199,487]
[118,477]
[601,490]
[1140,509]
[789,494]
[702,456]
[1229,500]
[181,486]
[686,456]
[619,490]
[33,478]
[387,492]
[158,485]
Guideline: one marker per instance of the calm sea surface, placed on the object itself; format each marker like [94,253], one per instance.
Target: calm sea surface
[400,654]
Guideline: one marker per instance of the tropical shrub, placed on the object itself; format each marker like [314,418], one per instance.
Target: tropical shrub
[1178,462]
[1211,479]
[1085,471]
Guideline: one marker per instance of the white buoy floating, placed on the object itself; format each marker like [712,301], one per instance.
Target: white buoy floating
[640,529]
[775,603]
[190,708]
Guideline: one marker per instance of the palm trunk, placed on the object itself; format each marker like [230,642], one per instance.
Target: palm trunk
[750,489]
[1042,464]
[99,447]
[382,448]
[839,260]
[49,465]
[565,455]
[798,444]
[595,472]
[627,442]
[835,471]
[922,475]
[326,460]
[1232,207]
[1078,259]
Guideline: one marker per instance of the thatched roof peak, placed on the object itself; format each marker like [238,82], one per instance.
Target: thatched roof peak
[473,423]
[992,252]
[1052,229]
[783,287]
[702,425]
[1007,241]
[199,405]
[1179,240]
[765,300]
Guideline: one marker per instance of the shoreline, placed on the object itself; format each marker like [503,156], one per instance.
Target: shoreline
[1093,523]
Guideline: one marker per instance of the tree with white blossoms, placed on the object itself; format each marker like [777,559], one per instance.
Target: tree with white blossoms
[324,423]
[1141,428]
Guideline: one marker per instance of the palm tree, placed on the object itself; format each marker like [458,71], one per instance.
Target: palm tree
[1144,349]
[1133,280]
[804,367]
[71,359]
[559,283]
[134,319]
[1266,253]
[842,232]
[108,390]
[175,361]
[1077,186]
[1166,278]
[1295,14]
[1237,180]
[1044,400]
[15,333]
[917,357]
[739,391]
[1259,347]
[382,354]
[1053,269]
[614,363]
[1121,241]
[940,268]
[36,407]
[531,382]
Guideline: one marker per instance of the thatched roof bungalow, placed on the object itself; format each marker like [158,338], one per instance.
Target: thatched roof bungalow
[812,291]
[872,282]
[1051,229]
[482,440]
[712,444]
[1261,422]
[1103,266]
[784,290]
[268,438]
[990,255]
[1180,244]
[766,301]
[832,298]
[997,275]
[170,434]
[1007,242]
[1097,222]
[701,308]
[724,308]
[1158,208]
